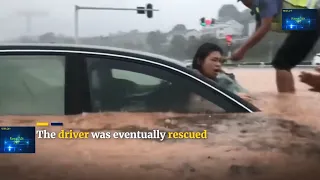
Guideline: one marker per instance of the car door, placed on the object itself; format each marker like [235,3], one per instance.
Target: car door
[40,82]
[133,85]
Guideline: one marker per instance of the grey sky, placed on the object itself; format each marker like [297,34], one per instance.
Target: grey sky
[60,16]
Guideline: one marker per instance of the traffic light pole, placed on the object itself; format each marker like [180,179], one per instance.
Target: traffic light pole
[229,44]
[78,8]
[229,52]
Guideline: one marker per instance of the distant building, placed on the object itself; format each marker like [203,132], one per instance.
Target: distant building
[251,28]
[192,33]
[224,27]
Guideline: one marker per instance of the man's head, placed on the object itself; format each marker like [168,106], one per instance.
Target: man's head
[247,3]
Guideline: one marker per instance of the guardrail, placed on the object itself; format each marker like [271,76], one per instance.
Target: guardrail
[259,65]
[265,65]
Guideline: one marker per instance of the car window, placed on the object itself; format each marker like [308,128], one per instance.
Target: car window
[138,78]
[126,86]
[32,85]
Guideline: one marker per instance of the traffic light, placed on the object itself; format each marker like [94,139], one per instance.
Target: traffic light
[149,13]
[140,10]
[212,21]
[203,21]
[207,22]
[146,10]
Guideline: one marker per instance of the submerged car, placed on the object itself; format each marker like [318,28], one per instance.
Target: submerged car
[40,79]
[115,86]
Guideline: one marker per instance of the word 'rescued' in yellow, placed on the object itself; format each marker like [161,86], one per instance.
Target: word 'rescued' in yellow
[188,135]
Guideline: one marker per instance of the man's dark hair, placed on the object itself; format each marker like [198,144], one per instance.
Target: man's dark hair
[203,51]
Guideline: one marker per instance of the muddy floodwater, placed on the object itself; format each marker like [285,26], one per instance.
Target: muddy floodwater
[280,143]
[303,107]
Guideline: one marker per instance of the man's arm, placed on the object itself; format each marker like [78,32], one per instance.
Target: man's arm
[268,9]
[261,31]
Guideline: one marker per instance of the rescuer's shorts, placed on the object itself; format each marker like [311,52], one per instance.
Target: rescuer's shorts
[295,48]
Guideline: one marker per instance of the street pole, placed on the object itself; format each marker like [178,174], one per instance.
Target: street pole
[29,15]
[229,53]
[270,54]
[76,25]
[229,44]
[78,8]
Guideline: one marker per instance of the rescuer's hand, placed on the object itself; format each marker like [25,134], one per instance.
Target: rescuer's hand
[238,55]
[312,80]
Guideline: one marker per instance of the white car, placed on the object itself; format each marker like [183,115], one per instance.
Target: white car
[188,63]
[316,60]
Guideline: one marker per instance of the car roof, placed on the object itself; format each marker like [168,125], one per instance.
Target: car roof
[188,61]
[81,47]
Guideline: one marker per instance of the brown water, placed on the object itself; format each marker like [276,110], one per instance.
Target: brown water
[302,107]
[239,146]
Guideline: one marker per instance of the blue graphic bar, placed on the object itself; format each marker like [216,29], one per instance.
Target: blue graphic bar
[17,139]
[299,19]
[56,124]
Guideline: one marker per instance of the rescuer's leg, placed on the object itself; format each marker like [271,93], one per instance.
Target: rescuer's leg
[294,50]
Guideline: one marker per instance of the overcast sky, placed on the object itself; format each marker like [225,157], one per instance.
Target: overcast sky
[58,16]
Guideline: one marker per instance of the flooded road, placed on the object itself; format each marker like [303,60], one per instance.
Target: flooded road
[259,146]
[303,107]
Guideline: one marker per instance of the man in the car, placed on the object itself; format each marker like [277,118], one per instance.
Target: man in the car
[296,46]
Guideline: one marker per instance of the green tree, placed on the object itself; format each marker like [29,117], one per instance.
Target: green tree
[155,39]
[177,47]
[179,28]
[47,37]
[230,11]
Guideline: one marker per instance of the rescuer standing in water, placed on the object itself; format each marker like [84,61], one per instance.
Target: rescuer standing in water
[295,48]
